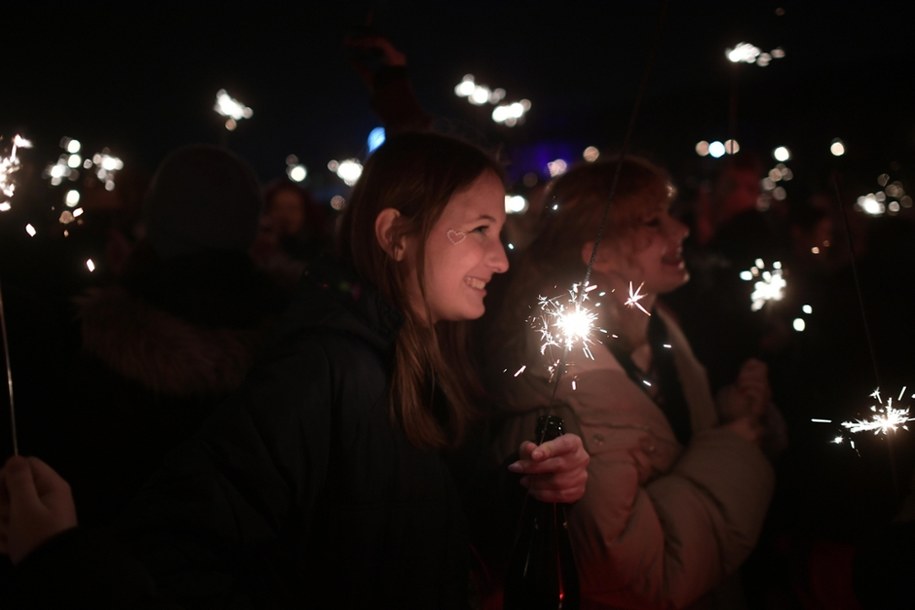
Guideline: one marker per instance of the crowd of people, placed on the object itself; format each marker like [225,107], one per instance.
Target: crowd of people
[261,398]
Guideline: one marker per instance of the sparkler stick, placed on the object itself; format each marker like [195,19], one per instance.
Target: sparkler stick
[854,272]
[9,165]
[9,375]
[627,138]
[867,331]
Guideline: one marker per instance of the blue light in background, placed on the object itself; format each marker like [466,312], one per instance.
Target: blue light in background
[376,138]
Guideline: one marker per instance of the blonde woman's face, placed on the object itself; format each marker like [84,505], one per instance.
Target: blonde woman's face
[652,253]
[463,252]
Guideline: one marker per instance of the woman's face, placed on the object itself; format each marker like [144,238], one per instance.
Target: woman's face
[287,212]
[463,252]
[652,253]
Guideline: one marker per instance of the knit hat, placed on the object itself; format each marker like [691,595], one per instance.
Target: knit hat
[202,198]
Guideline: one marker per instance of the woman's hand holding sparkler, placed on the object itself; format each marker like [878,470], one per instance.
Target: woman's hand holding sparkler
[750,394]
[746,407]
[36,504]
[554,471]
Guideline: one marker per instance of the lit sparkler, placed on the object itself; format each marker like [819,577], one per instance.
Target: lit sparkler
[769,285]
[8,166]
[885,418]
[567,323]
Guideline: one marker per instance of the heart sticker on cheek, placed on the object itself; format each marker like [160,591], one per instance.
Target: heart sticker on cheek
[456,237]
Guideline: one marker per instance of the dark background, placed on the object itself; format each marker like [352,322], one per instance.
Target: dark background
[140,79]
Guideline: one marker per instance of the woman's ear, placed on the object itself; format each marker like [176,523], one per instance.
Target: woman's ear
[386,236]
[602,260]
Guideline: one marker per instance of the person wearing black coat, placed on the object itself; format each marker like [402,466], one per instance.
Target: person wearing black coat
[348,467]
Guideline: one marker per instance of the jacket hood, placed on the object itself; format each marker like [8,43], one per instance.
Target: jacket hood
[159,350]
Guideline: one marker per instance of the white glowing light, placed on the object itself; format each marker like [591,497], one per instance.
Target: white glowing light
[107,165]
[716,149]
[511,114]
[837,148]
[515,204]
[870,204]
[347,170]
[297,172]
[90,265]
[466,87]
[635,297]
[744,52]
[231,108]
[769,285]
[9,165]
[557,167]
[885,417]
[480,95]
[71,145]
[567,323]
[781,154]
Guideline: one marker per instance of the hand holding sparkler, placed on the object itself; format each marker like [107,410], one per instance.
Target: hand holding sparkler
[749,394]
[36,504]
[746,407]
[554,471]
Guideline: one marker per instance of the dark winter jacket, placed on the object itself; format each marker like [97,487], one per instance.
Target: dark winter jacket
[158,351]
[300,489]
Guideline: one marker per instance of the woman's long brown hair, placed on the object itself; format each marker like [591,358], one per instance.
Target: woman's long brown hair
[417,173]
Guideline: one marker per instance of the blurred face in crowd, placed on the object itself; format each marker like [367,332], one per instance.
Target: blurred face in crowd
[287,212]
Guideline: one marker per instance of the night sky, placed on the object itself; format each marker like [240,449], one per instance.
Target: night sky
[142,80]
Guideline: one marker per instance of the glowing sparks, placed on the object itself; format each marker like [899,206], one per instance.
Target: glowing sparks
[635,297]
[567,324]
[769,285]
[8,166]
[884,418]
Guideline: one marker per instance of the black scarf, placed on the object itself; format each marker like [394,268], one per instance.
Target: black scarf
[661,382]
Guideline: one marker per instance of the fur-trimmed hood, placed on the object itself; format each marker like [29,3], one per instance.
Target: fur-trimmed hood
[159,350]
